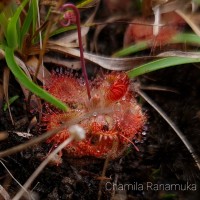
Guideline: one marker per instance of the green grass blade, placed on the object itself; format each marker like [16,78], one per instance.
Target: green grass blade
[197,1]
[84,3]
[4,16]
[160,64]
[68,28]
[185,38]
[11,100]
[23,79]
[3,22]
[35,15]
[63,30]
[188,38]
[12,33]
[27,23]
[132,49]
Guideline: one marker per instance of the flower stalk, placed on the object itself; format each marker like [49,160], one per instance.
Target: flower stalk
[78,24]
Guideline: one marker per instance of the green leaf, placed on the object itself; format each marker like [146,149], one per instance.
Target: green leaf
[31,18]
[3,22]
[185,38]
[63,30]
[27,22]
[26,82]
[160,64]
[11,100]
[84,3]
[12,33]
[133,49]
[35,14]
[197,1]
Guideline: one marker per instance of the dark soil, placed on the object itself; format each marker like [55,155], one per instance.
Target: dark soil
[162,157]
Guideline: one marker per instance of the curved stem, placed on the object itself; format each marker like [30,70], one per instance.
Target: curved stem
[78,24]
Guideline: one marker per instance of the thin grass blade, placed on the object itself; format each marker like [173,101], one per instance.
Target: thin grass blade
[183,38]
[20,75]
[12,33]
[27,22]
[160,64]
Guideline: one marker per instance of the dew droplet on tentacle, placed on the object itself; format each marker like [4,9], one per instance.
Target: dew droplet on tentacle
[123,98]
[94,114]
[144,133]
